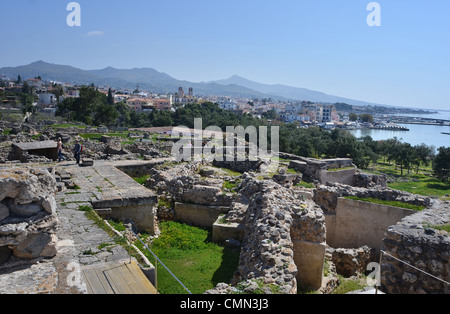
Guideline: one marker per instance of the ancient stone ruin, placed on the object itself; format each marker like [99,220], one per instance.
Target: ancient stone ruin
[287,233]
[289,236]
[28,220]
[415,241]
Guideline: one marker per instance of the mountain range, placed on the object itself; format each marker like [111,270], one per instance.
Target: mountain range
[159,82]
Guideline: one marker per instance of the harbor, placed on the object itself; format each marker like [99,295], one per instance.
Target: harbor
[432,135]
[420,120]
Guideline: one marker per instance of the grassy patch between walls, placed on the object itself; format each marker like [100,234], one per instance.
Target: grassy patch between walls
[388,203]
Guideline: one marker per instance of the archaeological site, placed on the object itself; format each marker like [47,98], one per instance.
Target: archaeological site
[306,225]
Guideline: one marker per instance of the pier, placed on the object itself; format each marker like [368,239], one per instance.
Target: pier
[422,121]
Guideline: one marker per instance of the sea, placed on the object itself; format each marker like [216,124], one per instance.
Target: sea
[427,134]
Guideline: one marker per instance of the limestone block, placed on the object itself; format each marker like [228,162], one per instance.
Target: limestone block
[309,258]
[49,204]
[32,246]
[87,162]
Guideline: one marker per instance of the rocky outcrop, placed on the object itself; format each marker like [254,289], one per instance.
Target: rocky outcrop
[28,220]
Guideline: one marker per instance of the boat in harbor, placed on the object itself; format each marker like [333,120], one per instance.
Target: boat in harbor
[389,126]
[445,133]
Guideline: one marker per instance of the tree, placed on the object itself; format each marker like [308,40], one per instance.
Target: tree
[91,108]
[441,165]
[110,98]
[389,148]
[353,117]
[366,117]
[424,155]
[58,91]
[405,156]
[26,89]
[271,115]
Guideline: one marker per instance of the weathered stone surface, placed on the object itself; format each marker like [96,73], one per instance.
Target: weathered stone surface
[24,211]
[415,241]
[26,186]
[184,185]
[28,212]
[49,204]
[32,246]
[326,196]
[267,249]
[351,262]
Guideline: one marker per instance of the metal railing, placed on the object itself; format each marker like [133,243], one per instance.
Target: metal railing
[156,265]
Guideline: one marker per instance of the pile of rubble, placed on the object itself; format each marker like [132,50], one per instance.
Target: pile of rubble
[28,221]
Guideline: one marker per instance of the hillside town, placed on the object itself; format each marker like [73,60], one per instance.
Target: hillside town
[47,94]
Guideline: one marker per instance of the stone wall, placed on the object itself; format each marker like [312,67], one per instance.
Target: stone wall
[183,184]
[344,176]
[308,234]
[199,215]
[358,223]
[316,169]
[343,171]
[283,240]
[327,195]
[267,249]
[369,180]
[416,241]
[28,221]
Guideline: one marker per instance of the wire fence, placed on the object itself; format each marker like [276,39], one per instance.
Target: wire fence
[420,270]
[156,265]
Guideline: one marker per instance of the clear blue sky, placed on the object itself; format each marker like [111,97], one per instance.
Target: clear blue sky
[323,45]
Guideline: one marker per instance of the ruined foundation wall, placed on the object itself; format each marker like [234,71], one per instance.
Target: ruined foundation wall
[416,241]
[358,223]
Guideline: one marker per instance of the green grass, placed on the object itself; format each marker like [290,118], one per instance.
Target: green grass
[305,185]
[348,285]
[190,255]
[292,171]
[142,180]
[230,186]
[67,125]
[164,202]
[426,187]
[123,135]
[439,227]
[389,203]
[340,169]
[390,169]
[418,182]
[230,172]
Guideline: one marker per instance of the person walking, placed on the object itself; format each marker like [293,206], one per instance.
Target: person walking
[77,151]
[60,149]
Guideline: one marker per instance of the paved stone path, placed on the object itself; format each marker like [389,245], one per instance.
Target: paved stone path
[81,242]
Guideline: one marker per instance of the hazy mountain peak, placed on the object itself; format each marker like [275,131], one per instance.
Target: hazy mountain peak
[155,81]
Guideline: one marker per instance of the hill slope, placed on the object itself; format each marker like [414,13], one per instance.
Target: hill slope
[155,81]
